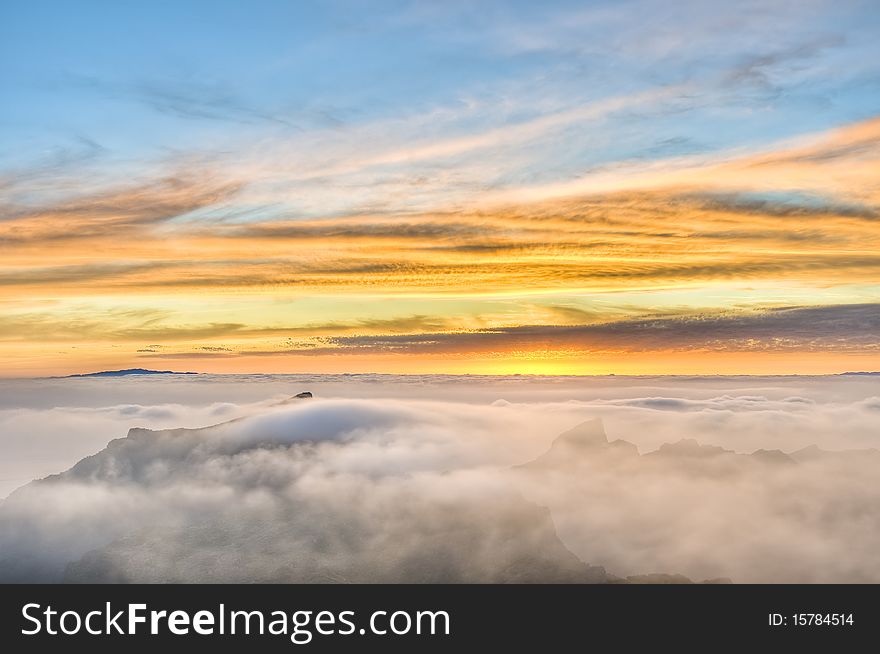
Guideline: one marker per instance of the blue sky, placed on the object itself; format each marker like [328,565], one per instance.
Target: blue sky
[257,185]
[123,81]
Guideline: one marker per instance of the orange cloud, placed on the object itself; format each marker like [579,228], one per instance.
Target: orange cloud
[803,213]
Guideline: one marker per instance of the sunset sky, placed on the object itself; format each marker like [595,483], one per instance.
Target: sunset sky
[497,187]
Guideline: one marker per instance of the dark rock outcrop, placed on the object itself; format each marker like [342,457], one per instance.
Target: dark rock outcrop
[588,439]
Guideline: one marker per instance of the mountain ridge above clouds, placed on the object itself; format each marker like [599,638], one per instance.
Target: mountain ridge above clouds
[343,491]
[589,437]
[249,523]
[498,537]
[127,372]
[758,509]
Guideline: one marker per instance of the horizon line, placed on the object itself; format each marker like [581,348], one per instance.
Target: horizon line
[151,373]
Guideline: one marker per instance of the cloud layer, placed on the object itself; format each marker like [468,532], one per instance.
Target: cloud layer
[441,479]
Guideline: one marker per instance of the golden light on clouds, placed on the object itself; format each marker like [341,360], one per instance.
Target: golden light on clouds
[128,275]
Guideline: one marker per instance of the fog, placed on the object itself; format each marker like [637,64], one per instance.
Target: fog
[381,478]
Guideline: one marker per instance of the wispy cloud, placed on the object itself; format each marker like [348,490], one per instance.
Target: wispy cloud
[184,96]
[847,328]
[565,153]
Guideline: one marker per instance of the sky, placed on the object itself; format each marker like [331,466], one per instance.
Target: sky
[632,187]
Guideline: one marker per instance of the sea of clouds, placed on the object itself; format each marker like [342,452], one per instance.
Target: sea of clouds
[381,478]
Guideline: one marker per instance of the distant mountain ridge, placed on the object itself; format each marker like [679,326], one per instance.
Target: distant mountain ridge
[130,371]
[520,537]
[531,528]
